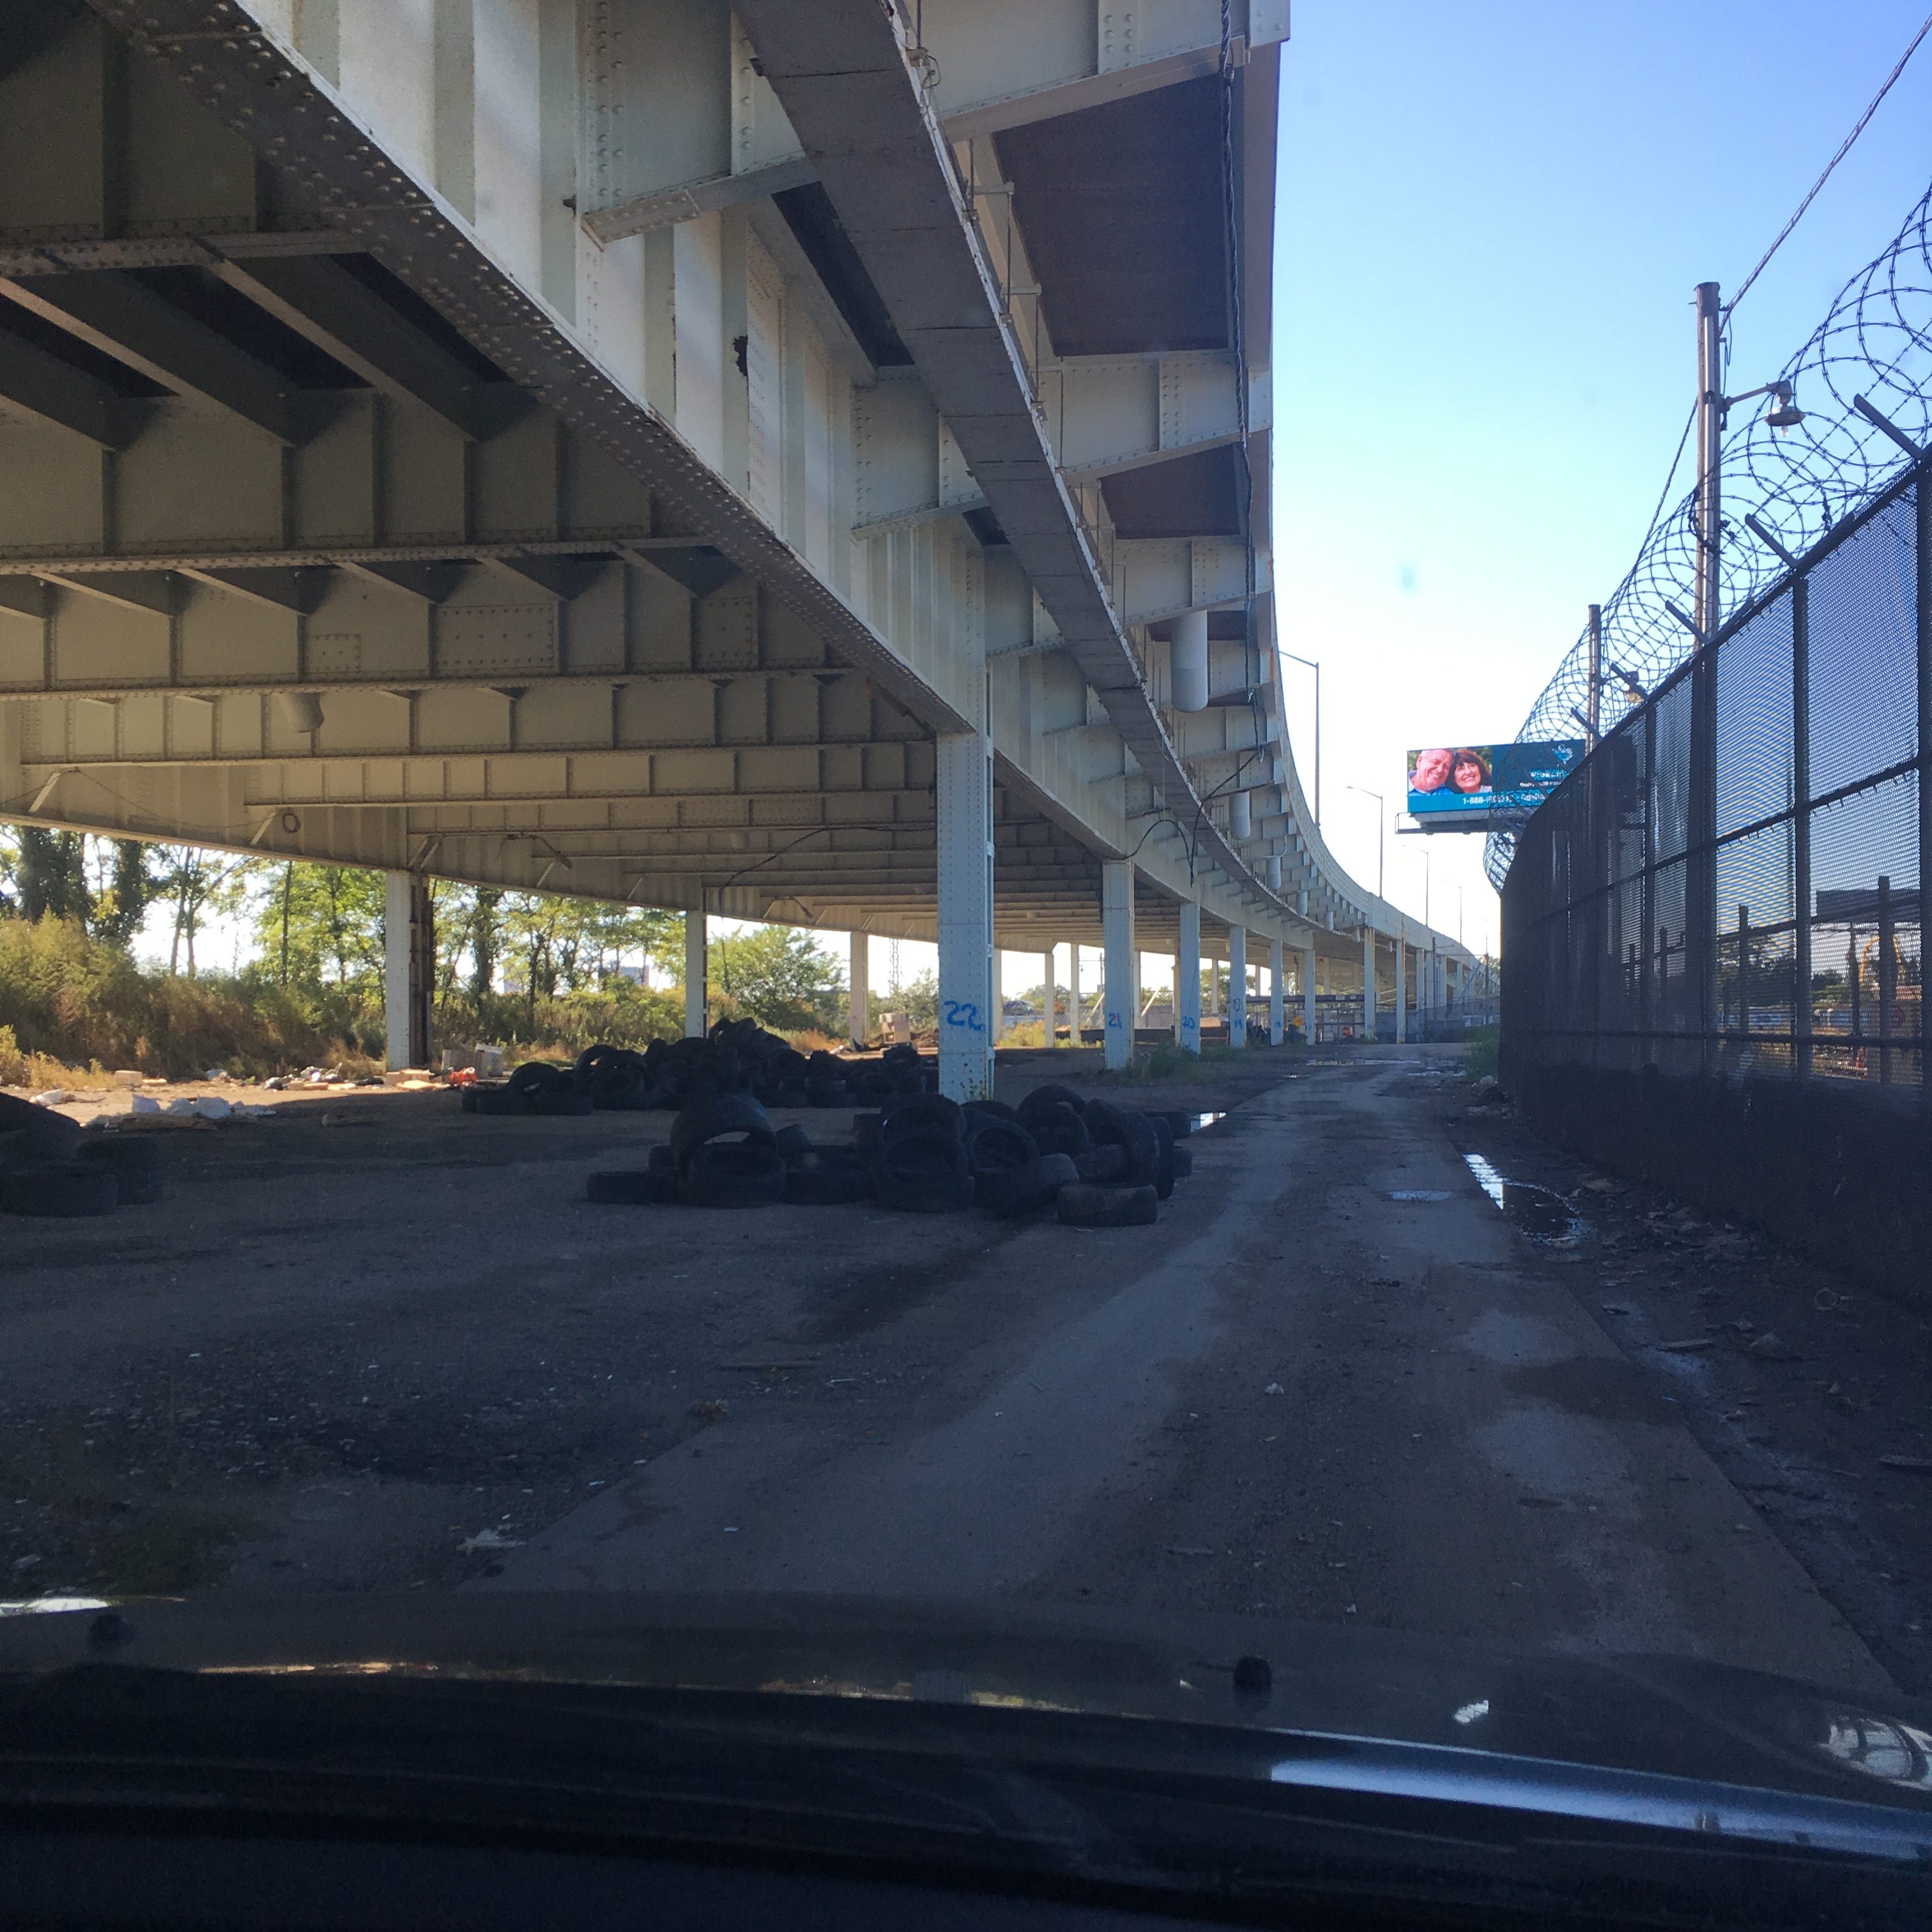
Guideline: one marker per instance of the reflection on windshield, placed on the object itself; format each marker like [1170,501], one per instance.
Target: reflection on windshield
[1882,1748]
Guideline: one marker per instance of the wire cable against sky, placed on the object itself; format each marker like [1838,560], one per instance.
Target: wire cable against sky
[1798,213]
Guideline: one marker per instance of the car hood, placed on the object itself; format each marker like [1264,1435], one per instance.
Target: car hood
[1670,1716]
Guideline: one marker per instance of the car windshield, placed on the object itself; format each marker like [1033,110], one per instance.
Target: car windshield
[983,828]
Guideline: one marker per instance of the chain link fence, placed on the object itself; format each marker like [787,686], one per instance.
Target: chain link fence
[1729,885]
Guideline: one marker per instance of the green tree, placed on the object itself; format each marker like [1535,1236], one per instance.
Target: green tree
[334,918]
[198,886]
[124,886]
[782,977]
[52,875]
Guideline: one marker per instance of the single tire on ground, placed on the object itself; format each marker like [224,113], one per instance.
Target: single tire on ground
[1025,1190]
[792,1142]
[997,1146]
[63,1191]
[1134,1132]
[1059,1129]
[1049,1095]
[733,1174]
[1163,1165]
[1082,1205]
[922,1171]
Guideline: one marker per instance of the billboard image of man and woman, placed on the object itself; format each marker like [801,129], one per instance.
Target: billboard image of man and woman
[1474,782]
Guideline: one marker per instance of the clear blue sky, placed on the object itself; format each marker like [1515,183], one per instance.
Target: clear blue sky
[1490,218]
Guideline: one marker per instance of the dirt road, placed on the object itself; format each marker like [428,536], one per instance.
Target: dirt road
[1333,1383]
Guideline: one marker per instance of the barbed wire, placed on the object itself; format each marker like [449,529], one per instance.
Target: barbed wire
[1876,342]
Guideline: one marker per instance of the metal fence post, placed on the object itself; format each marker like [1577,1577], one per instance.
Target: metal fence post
[1922,533]
[1801,832]
[1700,869]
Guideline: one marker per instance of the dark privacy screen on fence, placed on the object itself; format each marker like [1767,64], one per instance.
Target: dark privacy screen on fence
[1730,884]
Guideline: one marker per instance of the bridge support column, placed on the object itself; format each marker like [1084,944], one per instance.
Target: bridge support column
[1050,1001]
[1073,991]
[1237,986]
[1401,991]
[1117,934]
[968,998]
[695,967]
[1187,980]
[1368,982]
[1277,1015]
[859,1005]
[408,968]
[1308,995]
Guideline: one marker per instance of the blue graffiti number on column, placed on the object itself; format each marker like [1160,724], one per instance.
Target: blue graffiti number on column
[1113,1018]
[964,1013]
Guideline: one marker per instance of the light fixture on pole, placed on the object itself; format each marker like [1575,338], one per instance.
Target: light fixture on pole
[1381,835]
[1317,669]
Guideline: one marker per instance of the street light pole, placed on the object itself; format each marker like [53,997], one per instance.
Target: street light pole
[1317,669]
[1381,836]
[1710,456]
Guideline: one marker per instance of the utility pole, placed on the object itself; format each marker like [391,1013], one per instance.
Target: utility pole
[1593,704]
[1710,451]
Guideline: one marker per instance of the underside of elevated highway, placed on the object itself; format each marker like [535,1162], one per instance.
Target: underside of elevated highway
[800,462]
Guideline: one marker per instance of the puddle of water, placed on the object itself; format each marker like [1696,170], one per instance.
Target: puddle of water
[1544,1216]
[1418,1194]
[1205,1120]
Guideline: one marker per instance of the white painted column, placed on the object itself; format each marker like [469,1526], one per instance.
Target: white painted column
[968,1001]
[1049,1001]
[859,1005]
[1308,995]
[1368,982]
[1187,980]
[695,970]
[1073,991]
[999,1017]
[1401,991]
[1277,993]
[401,978]
[1237,986]
[1116,925]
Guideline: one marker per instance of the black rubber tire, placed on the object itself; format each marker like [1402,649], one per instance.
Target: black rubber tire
[1049,1095]
[1025,1190]
[919,1113]
[65,1190]
[1183,1158]
[625,1187]
[816,1186]
[496,1100]
[1134,1132]
[865,1132]
[997,1146]
[125,1159]
[1102,1165]
[661,1160]
[989,1110]
[705,1119]
[1082,1206]
[732,1174]
[135,1164]
[1059,1129]
[1163,1165]
[922,1171]
[49,1135]
[539,1076]
[828,1094]
[873,1085]
[792,1142]
[567,1102]
[1180,1121]
[904,1053]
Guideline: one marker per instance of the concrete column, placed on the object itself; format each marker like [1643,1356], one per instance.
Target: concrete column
[409,969]
[1117,924]
[1049,1005]
[859,1004]
[1187,981]
[1401,992]
[1308,995]
[1073,991]
[1187,662]
[1277,1015]
[998,1009]
[1368,982]
[1214,987]
[1237,986]
[695,970]
[968,1003]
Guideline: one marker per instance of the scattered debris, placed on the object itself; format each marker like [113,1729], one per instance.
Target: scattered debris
[1686,1347]
[54,1096]
[1274,1388]
[487,1539]
[1769,1348]
[1919,1465]
[709,1410]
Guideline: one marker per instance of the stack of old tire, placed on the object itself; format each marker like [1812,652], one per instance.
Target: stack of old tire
[1098,1164]
[737,1057]
[49,1167]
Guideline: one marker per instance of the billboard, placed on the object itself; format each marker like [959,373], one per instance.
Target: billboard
[1462,787]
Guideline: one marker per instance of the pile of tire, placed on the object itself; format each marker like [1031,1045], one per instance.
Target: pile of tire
[1096,1164]
[737,1057]
[52,1169]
